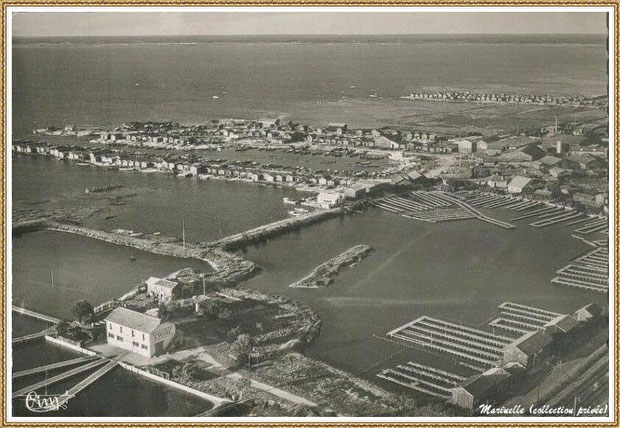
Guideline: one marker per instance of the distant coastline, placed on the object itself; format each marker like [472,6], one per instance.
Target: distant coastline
[583,39]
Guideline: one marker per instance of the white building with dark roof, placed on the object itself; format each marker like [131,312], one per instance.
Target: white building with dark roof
[163,289]
[137,332]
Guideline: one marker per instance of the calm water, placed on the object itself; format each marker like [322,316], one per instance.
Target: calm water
[456,270]
[83,268]
[118,393]
[97,84]
[211,209]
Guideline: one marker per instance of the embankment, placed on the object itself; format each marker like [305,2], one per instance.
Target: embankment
[324,274]
[26,226]
[261,233]
[229,268]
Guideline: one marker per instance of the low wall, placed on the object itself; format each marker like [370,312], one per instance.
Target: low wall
[217,401]
[71,346]
[240,240]
[22,227]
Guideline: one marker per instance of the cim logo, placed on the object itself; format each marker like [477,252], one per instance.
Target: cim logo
[46,403]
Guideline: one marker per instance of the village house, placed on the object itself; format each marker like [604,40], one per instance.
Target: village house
[519,184]
[466,146]
[162,289]
[137,332]
[329,199]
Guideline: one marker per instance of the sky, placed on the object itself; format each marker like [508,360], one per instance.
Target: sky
[41,24]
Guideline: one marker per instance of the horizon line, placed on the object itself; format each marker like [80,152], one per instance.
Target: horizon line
[316,34]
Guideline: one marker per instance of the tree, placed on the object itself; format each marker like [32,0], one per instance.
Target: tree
[242,348]
[83,311]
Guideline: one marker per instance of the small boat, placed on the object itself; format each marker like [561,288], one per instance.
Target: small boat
[132,257]
[289,201]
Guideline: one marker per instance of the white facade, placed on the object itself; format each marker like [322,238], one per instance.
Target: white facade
[328,199]
[162,289]
[137,332]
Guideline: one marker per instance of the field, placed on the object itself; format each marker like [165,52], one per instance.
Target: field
[441,117]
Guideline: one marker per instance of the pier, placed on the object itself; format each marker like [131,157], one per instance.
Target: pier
[534,213]
[90,379]
[479,348]
[30,337]
[589,272]
[597,225]
[52,366]
[59,377]
[240,240]
[475,212]
[423,206]
[36,315]
[557,219]
[422,378]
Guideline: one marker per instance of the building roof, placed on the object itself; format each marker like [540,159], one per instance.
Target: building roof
[556,170]
[415,175]
[519,182]
[479,386]
[496,177]
[549,160]
[161,282]
[533,342]
[591,308]
[134,320]
[517,141]
[564,323]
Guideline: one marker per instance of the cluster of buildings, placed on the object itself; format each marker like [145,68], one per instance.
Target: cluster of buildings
[516,340]
[506,98]
[550,169]
[350,184]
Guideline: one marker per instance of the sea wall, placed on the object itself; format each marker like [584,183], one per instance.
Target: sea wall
[324,273]
[261,233]
[217,401]
[230,269]
[71,346]
[26,226]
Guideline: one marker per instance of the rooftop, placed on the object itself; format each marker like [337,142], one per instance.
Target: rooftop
[134,320]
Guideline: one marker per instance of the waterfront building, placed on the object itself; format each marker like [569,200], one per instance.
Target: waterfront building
[518,184]
[525,349]
[466,146]
[385,143]
[528,153]
[337,128]
[478,388]
[497,182]
[562,147]
[162,289]
[589,311]
[137,332]
[329,199]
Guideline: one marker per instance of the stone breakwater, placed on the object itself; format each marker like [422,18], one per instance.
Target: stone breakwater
[230,269]
[25,226]
[261,233]
[323,275]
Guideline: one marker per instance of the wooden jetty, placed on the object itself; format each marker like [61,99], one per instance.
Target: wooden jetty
[58,377]
[53,366]
[37,315]
[30,337]
[553,220]
[474,346]
[588,272]
[89,380]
